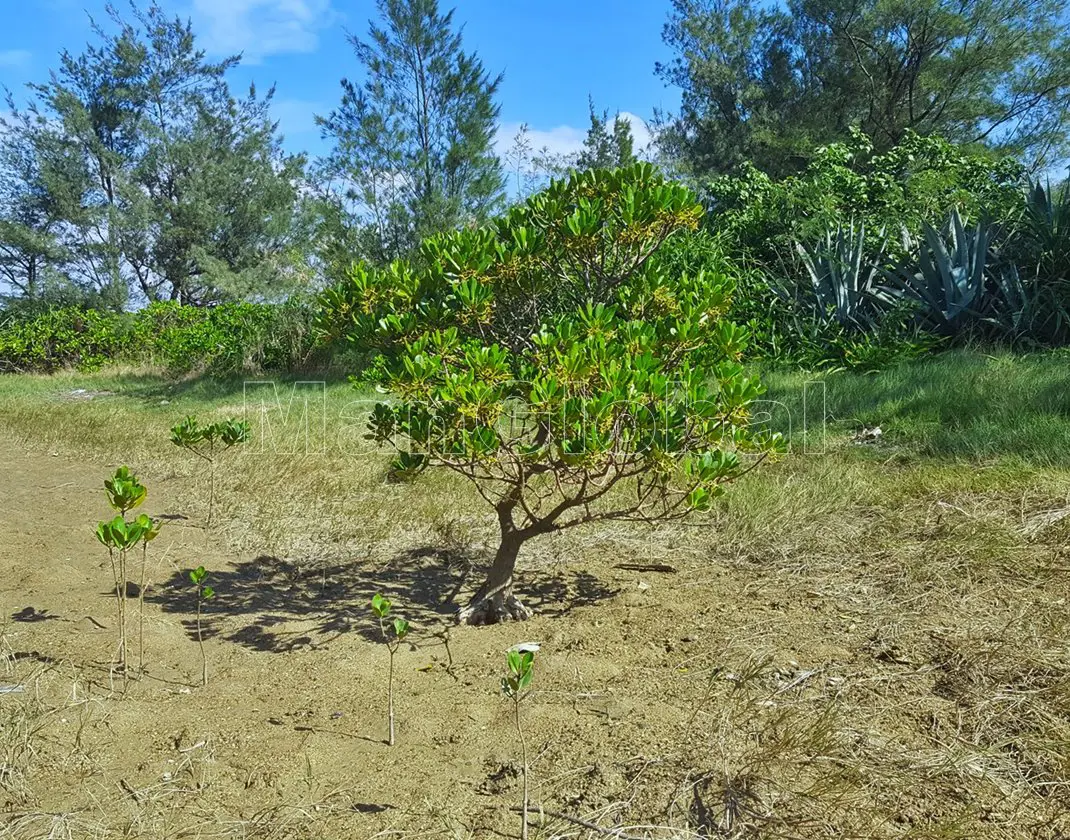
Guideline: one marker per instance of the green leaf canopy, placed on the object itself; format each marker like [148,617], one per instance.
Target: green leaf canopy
[547,356]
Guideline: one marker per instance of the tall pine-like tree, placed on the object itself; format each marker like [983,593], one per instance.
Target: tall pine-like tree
[414,138]
[606,146]
[41,184]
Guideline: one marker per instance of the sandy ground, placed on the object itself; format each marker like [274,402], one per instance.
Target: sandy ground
[740,695]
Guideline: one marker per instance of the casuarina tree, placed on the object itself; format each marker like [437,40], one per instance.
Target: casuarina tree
[774,82]
[414,142]
[135,166]
[548,359]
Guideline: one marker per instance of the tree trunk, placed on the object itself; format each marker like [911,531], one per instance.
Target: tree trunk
[31,278]
[494,601]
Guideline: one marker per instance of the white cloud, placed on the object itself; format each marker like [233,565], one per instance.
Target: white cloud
[563,140]
[566,139]
[259,28]
[15,58]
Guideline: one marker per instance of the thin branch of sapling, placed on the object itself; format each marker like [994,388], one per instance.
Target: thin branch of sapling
[381,607]
[192,436]
[151,530]
[104,536]
[444,634]
[520,661]
[141,607]
[204,593]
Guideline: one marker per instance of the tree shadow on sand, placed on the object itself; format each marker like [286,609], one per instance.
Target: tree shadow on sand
[290,607]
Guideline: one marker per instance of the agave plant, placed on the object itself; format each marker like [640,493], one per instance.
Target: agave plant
[1030,308]
[948,279]
[1044,287]
[1047,222]
[843,279]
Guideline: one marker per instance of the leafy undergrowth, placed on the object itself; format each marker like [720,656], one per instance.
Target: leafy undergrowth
[867,639]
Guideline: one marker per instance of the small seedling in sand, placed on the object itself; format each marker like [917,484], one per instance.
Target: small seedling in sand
[400,627]
[203,441]
[150,531]
[520,661]
[204,593]
[125,493]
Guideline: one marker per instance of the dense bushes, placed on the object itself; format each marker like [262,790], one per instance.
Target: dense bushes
[920,180]
[867,259]
[232,338]
[786,329]
[59,338]
[863,260]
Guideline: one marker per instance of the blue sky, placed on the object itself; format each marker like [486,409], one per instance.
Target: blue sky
[553,53]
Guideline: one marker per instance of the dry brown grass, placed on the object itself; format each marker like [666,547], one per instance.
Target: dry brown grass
[866,644]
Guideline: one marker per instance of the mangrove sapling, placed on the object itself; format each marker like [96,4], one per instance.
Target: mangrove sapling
[400,627]
[204,593]
[202,441]
[117,537]
[150,530]
[555,361]
[520,660]
[124,493]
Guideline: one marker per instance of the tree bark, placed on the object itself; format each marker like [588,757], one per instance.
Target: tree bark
[494,601]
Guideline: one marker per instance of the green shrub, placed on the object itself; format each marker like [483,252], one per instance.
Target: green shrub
[785,327]
[786,335]
[220,340]
[920,180]
[232,338]
[691,251]
[549,359]
[813,295]
[64,338]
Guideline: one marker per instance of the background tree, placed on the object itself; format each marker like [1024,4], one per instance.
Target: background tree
[40,188]
[526,164]
[549,360]
[177,187]
[770,83]
[414,140]
[606,145]
[225,201]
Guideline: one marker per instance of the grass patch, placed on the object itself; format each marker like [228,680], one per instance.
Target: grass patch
[962,405]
